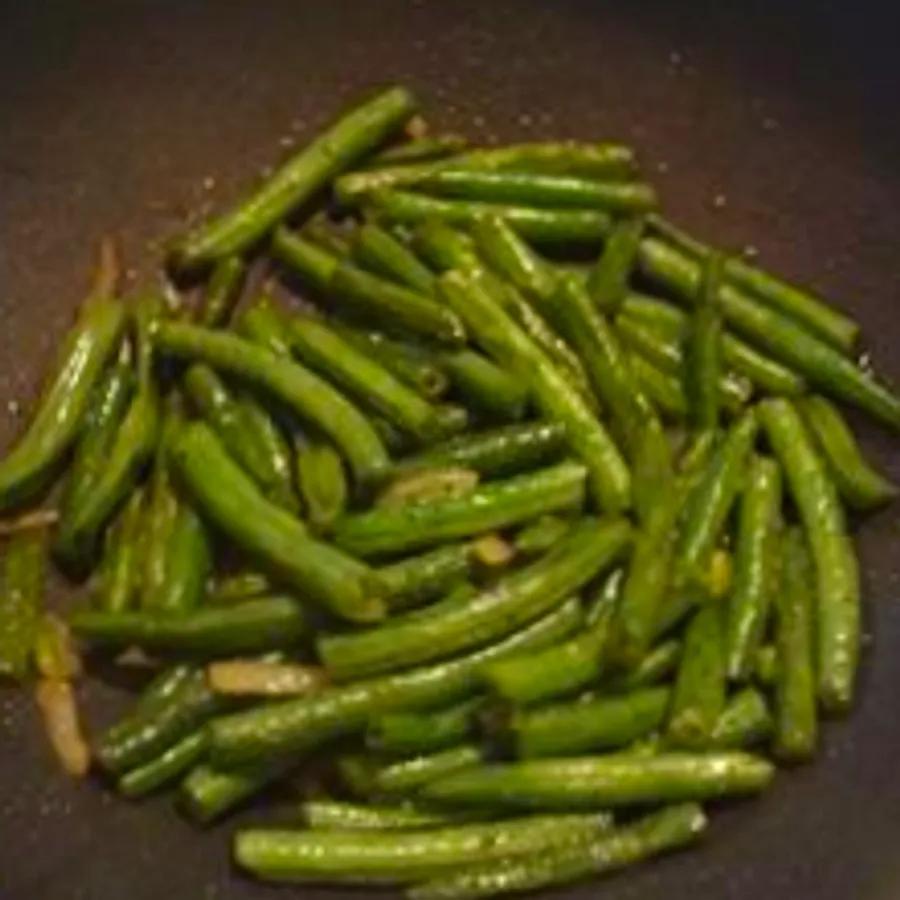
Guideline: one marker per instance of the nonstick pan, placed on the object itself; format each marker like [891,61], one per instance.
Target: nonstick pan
[771,125]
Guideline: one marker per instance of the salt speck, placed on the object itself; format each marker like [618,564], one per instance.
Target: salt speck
[130,274]
[287,141]
[209,183]
[525,120]
[719,201]
[750,251]
[479,121]
[662,167]
[13,407]
[769,124]
[675,58]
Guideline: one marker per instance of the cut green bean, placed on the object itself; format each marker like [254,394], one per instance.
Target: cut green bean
[703,351]
[858,482]
[755,566]
[428,486]
[372,857]
[490,614]
[188,563]
[223,291]
[118,585]
[498,504]
[745,722]
[415,580]
[407,775]
[274,450]
[337,815]
[163,770]
[207,793]
[796,726]
[230,500]
[657,666]
[608,281]
[542,535]
[377,250]
[699,697]
[428,148]
[346,141]
[484,386]
[406,733]
[599,782]
[21,601]
[322,484]
[837,571]
[301,725]
[606,723]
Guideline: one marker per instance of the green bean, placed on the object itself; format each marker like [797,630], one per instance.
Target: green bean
[373,857]
[711,499]
[314,264]
[495,611]
[109,402]
[408,775]
[22,600]
[699,697]
[659,832]
[223,292]
[663,390]
[262,623]
[859,484]
[654,668]
[393,306]
[421,149]
[168,766]
[377,250]
[569,729]
[310,397]
[443,247]
[796,728]
[160,689]
[65,399]
[207,793]
[531,189]
[413,581]
[322,484]
[506,450]
[598,782]
[156,726]
[608,473]
[745,722]
[670,323]
[755,568]
[188,563]
[274,448]
[327,234]
[649,575]
[230,500]
[349,139]
[817,361]
[703,351]
[412,365]
[607,283]
[652,465]
[327,353]
[837,571]
[295,726]
[135,440]
[816,315]
[541,535]
[484,386]
[495,505]
[765,666]
[403,733]
[545,226]
[563,668]
[119,580]
[428,486]
[337,815]
[599,161]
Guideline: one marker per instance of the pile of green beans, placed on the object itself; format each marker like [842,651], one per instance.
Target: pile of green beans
[538,548]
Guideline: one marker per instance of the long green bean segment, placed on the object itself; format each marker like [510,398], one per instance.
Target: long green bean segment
[295,726]
[21,601]
[378,250]
[606,723]
[305,393]
[779,335]
[598,782]
[858,482]
[837,571]
[372,857]
[498,504]
[345,142]
[230,500]
[167,767]
[322,484]
[327,353]
[495,611]
[755,566]
[338,815]
[608,474]
[263,623]
[119,574]
[484,386]
[402,733]
[414,580]
[223,291]
[660,832]
[63,404]
[608,281]
[745,722]
[704,349]
[796,727]
[407,775]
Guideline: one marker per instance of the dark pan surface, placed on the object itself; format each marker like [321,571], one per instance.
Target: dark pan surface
[118,115]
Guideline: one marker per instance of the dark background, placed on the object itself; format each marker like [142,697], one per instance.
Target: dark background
[120,116]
